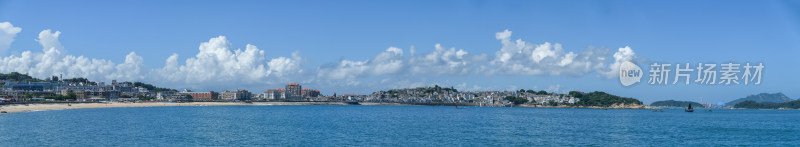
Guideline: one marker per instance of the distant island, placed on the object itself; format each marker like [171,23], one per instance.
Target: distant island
[765,101]
[749,104]
[762,98]
[674,103]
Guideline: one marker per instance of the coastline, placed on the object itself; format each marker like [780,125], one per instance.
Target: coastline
[63,106]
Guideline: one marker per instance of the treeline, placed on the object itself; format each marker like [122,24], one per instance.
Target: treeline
[602,99]
[149,87]
[17,77]
[436,88]
[531,91]
[674,103]
[749,104]
[59,97]
[516,100]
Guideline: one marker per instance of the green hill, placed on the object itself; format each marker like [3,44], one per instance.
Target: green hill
[602,99]
[674,103]
[749,104]
[15,76]
[761,98]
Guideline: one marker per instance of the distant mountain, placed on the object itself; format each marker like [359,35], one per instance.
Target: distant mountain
[674,103]
[762,97]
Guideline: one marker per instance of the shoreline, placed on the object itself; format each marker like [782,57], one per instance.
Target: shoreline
[15,108]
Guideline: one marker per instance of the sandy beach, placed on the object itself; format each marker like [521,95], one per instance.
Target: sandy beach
[62,106]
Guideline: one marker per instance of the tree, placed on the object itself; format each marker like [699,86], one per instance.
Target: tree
[521,90]
[144,98]
[552,103]
[149,87]
[189,97]
[15,76]
[603,99]
[542,92]
[576,94]
[516,100]
[72,95]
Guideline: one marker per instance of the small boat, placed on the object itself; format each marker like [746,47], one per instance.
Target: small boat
[689,109]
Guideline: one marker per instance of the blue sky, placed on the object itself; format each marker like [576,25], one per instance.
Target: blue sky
[324,34]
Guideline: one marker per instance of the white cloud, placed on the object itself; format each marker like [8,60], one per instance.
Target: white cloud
[214,66]
[522,58]
[390,61]
[54,61]
[7,34]
[132,69]
[282,67]
[217,65]
[623,54]
[444,61]
[49,41]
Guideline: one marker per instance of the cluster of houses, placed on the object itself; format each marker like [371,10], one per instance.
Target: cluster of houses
[78,91]
[87,91]
[438,94]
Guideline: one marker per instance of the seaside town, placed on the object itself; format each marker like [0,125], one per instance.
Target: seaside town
[21,88]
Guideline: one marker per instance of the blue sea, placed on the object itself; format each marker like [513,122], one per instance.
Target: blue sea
[324,125]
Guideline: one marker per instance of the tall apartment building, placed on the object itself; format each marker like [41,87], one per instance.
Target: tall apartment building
[294,91]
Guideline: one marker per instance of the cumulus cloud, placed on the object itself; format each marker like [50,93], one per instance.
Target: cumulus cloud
[54,61]
[390,61]
[131,69]
[283,67]
[217,63]
[517,57]
[445,61]
[7,34]
[623,54]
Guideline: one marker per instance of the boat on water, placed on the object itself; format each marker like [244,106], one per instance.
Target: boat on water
[689,109]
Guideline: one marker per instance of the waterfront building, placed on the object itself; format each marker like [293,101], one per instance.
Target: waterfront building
[202,96]
[293,91]
[275,94]
[309,93]
[236,95]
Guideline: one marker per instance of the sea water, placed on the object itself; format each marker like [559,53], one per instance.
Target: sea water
[327,125]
